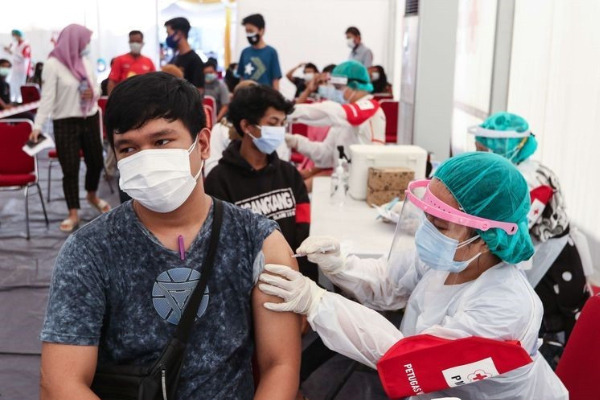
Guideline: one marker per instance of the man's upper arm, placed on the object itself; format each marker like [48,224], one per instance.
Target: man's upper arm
[277,334]
[67,371]
[115,71]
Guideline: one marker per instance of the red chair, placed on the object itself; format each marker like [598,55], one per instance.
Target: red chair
[209,101]
[17,169]
[390,109]
[30,93]
[210,116]
[579,366]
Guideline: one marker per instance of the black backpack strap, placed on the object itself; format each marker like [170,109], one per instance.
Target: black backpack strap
[186,322]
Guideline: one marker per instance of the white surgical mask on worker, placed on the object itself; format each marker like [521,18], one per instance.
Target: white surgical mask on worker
[161,180]
[437,250]
[135,47]
[350,43]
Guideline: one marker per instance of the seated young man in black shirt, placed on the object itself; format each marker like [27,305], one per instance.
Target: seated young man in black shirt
[252,176]
[185,57]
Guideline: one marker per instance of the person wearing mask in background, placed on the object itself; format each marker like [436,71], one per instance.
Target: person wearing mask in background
[360,52]
[217,89]
[562,259]
[452,267]
[130,64]
[258,62]
[185,57]
[308,74]
[21,63]
[37,74]
[231,77]
[379,80]
[251,175]
[69,95]
[354,116]
[5,67]
[107,306]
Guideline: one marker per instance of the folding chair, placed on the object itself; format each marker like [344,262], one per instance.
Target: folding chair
[578,367]
[212,103]
[30,92]
[18,170]
[390,109]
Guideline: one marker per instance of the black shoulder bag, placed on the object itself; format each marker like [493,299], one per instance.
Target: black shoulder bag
[159,381]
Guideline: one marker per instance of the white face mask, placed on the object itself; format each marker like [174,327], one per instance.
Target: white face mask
[135,47]
[350,43]
[161,180]
[309,76]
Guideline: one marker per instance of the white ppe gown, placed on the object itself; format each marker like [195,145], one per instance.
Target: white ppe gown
[342,133]
[500,304]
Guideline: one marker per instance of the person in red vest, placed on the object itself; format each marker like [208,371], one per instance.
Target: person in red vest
[130,64]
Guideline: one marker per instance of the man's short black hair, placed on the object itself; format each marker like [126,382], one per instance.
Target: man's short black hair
[179,24]
[353,31]
[143,98]
[329,68]
[5,61]
[211,63]
[135,32]
[255,19]
[251,103]
[311,66]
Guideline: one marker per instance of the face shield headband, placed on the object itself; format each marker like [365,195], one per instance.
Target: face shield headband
[437,208]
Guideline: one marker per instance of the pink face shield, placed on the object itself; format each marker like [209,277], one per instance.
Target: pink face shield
[437,208]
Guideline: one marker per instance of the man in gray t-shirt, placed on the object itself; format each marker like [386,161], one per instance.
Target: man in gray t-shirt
[360,52]
[217,89]
[121,282]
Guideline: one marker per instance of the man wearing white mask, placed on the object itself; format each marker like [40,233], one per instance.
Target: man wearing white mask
[251,175]
[130,64]
[360,52]
[121,283]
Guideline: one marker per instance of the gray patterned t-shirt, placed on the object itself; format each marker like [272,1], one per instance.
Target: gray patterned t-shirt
[116,287]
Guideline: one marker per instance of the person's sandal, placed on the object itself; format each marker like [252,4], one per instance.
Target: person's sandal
[68,225]
[101,206]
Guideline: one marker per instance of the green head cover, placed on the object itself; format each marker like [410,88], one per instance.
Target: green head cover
[489,186]
[357,74]
[516,150]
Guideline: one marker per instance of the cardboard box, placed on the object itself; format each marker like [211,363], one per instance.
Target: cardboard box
[384,184]
[383,196]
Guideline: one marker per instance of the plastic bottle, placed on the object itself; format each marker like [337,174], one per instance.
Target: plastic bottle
[83,86]
[339,180]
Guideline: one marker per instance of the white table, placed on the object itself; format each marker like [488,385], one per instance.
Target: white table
[354,223]
[19,109]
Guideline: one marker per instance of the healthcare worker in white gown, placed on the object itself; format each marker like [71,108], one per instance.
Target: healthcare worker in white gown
[460,281]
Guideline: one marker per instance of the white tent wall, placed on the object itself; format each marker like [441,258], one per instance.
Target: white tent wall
[314,30]
[555,85]
[111,21]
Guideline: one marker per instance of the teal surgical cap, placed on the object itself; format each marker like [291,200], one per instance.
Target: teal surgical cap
[516,149]
[357,74]
[16,32]
[489,186]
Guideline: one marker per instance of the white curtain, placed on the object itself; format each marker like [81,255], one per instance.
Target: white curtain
[555,85]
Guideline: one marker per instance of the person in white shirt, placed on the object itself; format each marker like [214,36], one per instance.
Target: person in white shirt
[69,94]
[351,112]
[21,63]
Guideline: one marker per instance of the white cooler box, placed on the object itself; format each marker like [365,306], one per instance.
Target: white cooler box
[365,156]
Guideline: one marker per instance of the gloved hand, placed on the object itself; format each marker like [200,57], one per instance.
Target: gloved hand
[324,251]
[299,293]
[291,140]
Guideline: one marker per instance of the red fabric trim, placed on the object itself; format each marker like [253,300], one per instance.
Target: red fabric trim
[356,116]
[303,213]
[542,193]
